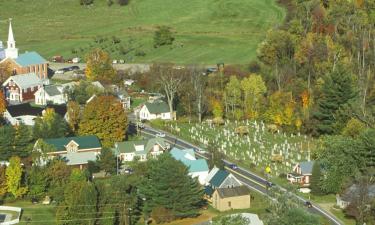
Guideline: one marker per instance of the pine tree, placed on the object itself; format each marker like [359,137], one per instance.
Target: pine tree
[6,142]
[168,185]
[23,141]
[315,179]
[337,93]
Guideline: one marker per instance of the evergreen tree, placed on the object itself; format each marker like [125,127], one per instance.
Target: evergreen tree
[337,93]
[107,161]
[23,141]
[37,182]
[52,125]
[6,142]
[315,179]
[168,185]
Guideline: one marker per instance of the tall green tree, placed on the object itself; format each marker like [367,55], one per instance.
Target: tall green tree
[337,92]
[14,174]
[51,125]
[105,117]
[37,182]
[107,161]
[166,179]
[6,142]
[23,141]
[315,179]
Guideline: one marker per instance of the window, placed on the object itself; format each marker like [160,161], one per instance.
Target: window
[230,204]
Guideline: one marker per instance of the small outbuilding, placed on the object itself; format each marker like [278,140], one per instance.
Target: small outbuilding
[224,199]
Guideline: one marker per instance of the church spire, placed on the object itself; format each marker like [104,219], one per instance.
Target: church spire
[11,41]
[11,51]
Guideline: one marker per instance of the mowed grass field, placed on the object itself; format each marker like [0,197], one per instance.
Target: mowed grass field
[206,31]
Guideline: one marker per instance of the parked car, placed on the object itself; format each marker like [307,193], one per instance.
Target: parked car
[71,68]
[269,184]
[201,151]
[160,134]
[233,166]
[128,171]
[308,204]
[61,71]
[76,60]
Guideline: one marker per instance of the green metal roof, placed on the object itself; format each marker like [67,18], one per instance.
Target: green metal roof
[129,146]
[198,165]
[157,107]
[84,142]
[30,58]
[219,178]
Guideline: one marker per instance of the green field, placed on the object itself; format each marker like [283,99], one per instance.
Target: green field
[206,31]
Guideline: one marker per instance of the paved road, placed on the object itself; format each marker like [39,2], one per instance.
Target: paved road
[248,178]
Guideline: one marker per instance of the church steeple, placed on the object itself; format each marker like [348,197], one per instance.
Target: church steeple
[11,51]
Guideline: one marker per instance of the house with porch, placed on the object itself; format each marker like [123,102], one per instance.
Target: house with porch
[76,151]
[301,173]
[197,167]
[155,110]
[127,151]
[21,88]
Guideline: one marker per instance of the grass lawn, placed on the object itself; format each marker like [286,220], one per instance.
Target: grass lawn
[206,32]
[44,214]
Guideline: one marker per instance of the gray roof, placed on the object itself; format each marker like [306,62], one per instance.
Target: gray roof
[253,219]
[233,192]
[52,90]
[129,146]
[306,167]
[79,158]
[25,80]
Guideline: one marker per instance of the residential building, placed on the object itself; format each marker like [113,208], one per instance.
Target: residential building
[142,149]
[51,94]
[76,151]
[217,178]
[301,173]
[197,167]
[353,192]
[28,62]
[21,88]
[26,113]
[155,110]
[224,199]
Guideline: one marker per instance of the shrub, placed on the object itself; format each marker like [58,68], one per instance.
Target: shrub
[162,215]
[123,2]
[163,36]
[86,2]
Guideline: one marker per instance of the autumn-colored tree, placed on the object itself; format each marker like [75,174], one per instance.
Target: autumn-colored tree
[5,71]
[74,114]
[99,66]
[253,88]
[217,108]
[3,181]
[14,177]
[3,103]
[104,117]
[281,109]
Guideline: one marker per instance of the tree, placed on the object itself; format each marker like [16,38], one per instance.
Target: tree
[166,179]
[3,103]
[232,220]
[199,85]
[353,128]
[86,2]
[337,92]
[216,157]
[107,161]
[83,92]
[14,174]
[315,179]
[51,125]
[5,71]
[6,142]
[104,117]
[58,174]
[233,94]
[99,66]
[170,80]
[123,2]
[23,141]
[74,114]
[253,87]
[37,182]
[163,36]
[3,181]
[79,201]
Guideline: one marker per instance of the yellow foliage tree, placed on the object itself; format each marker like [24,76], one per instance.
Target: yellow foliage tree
[99,66]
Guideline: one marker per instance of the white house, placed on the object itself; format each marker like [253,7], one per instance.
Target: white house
[51,94]
[354,192]
[155,110]
[26,113]
[143,149]
[197,167]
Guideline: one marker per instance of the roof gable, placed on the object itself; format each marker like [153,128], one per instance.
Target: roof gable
[24,81]
[219,178]
[84,142]
[233,191]
[306,167]
[53,90]
[30,58]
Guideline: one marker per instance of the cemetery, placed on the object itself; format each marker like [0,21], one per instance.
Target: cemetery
[249,142]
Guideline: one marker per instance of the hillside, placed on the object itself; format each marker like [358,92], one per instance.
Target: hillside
[208,31]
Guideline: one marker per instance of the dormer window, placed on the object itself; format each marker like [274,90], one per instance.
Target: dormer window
[72,147]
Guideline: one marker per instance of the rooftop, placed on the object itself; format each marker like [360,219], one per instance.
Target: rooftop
[157,107]
[219,177]
[233,192]
[84,142]
[26,80]
[30,58]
